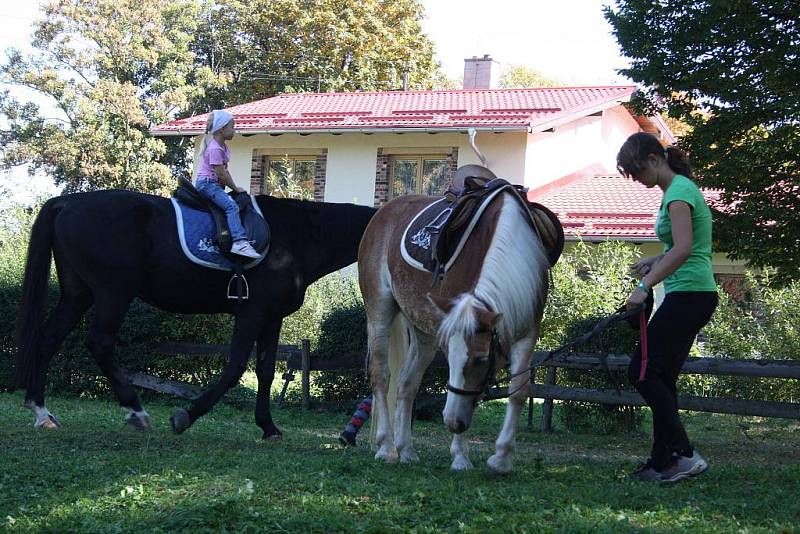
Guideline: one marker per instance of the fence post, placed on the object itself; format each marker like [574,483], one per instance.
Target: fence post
[547,408]
[305,363]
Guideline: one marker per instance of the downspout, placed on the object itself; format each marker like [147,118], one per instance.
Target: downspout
[471,132]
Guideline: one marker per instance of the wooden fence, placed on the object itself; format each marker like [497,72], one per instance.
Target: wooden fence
[298,359]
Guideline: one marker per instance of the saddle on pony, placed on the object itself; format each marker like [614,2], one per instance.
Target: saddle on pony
[435,237]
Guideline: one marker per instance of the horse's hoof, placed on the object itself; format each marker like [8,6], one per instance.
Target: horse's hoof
[139,422]
[49,422]
[275,438]
[409,457]
[461,464]
[387,456]
[180,420]
[498,467]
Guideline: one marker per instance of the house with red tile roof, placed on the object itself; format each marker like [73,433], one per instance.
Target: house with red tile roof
[368,147]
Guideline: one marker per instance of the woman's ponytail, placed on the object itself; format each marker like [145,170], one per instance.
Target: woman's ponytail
[677,161]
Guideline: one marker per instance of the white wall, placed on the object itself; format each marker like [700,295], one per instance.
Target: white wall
[529,159]
[352,157]
[576,145]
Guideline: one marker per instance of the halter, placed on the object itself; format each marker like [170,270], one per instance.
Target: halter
[494,347]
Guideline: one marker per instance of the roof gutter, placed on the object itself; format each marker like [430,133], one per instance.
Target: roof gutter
[339,131]
[603,239]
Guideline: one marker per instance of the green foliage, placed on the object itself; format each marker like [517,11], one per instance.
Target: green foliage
[739,63]
[590,282]
[112,69]
[765,326]
[520,76]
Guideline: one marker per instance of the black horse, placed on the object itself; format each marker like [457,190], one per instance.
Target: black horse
[113,246]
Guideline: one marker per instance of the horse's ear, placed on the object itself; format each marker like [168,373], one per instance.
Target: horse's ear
[443,304]
[488,319]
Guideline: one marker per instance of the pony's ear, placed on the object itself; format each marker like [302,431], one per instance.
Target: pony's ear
[488,319]
[443,304]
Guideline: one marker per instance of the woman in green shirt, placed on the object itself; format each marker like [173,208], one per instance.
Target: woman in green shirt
[684,226]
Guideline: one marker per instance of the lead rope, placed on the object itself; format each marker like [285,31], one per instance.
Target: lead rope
[643,341]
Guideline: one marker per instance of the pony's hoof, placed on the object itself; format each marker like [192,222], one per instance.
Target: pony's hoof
[139,422]
[410,457]
[498,467]
[180,420]
[275,438]
[461,464]
[390,457]
[49,422]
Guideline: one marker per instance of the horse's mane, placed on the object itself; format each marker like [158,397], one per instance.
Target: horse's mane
[512,281]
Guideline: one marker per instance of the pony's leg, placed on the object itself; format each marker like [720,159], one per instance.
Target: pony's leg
[460,453]
[62,320]
[420,353]
[110,309]
[245,330]
[378,328]
[266,347]
[521,353]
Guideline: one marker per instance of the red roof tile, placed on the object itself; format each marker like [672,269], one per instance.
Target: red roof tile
[607,207]
[511,109]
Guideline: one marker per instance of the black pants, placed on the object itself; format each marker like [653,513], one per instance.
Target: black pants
[670,335]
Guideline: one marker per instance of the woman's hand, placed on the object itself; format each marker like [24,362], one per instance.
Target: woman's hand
[643,266]
[637,298]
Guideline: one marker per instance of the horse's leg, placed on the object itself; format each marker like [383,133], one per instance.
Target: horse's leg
[245,330]
[378,328]
[266,347]
[59,324]
[460,453]
[420,353]
[110,308]
[520,359]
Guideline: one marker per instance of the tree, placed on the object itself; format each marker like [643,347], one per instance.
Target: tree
[265,47]
[731,70]
[112,69]
[520,76]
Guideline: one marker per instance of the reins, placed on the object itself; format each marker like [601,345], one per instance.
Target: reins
[578,341]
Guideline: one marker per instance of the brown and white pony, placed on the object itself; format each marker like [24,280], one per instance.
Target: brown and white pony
[497,287]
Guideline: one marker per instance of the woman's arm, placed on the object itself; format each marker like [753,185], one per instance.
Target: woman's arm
[681,215]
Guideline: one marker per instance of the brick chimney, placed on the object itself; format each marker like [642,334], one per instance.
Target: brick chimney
[479,72]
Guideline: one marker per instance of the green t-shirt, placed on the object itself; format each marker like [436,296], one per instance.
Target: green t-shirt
[695,274]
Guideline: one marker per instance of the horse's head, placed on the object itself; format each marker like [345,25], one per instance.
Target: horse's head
[469,337]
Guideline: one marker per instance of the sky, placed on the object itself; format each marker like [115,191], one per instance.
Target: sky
[566,40]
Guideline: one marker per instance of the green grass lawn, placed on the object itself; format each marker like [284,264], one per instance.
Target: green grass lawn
[96,475]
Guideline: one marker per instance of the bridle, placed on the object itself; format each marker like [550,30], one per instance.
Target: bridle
[485,390]
[494,349]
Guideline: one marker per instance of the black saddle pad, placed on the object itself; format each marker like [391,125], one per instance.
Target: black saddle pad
[415,247]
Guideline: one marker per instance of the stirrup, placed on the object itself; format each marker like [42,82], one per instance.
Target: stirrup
[241,285]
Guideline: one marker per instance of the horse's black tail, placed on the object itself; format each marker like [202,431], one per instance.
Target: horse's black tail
[33,303]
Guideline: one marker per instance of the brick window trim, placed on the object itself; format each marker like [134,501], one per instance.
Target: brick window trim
[258,168]
[382,173]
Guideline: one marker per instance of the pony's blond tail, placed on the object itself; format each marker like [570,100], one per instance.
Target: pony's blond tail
[398,347]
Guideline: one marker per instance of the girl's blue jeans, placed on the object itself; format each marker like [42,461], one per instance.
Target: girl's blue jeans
[216,194]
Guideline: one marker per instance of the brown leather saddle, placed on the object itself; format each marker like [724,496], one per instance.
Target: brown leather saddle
[257,228]
[436,235]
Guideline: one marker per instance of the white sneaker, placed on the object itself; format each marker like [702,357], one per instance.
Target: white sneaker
[244,248]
